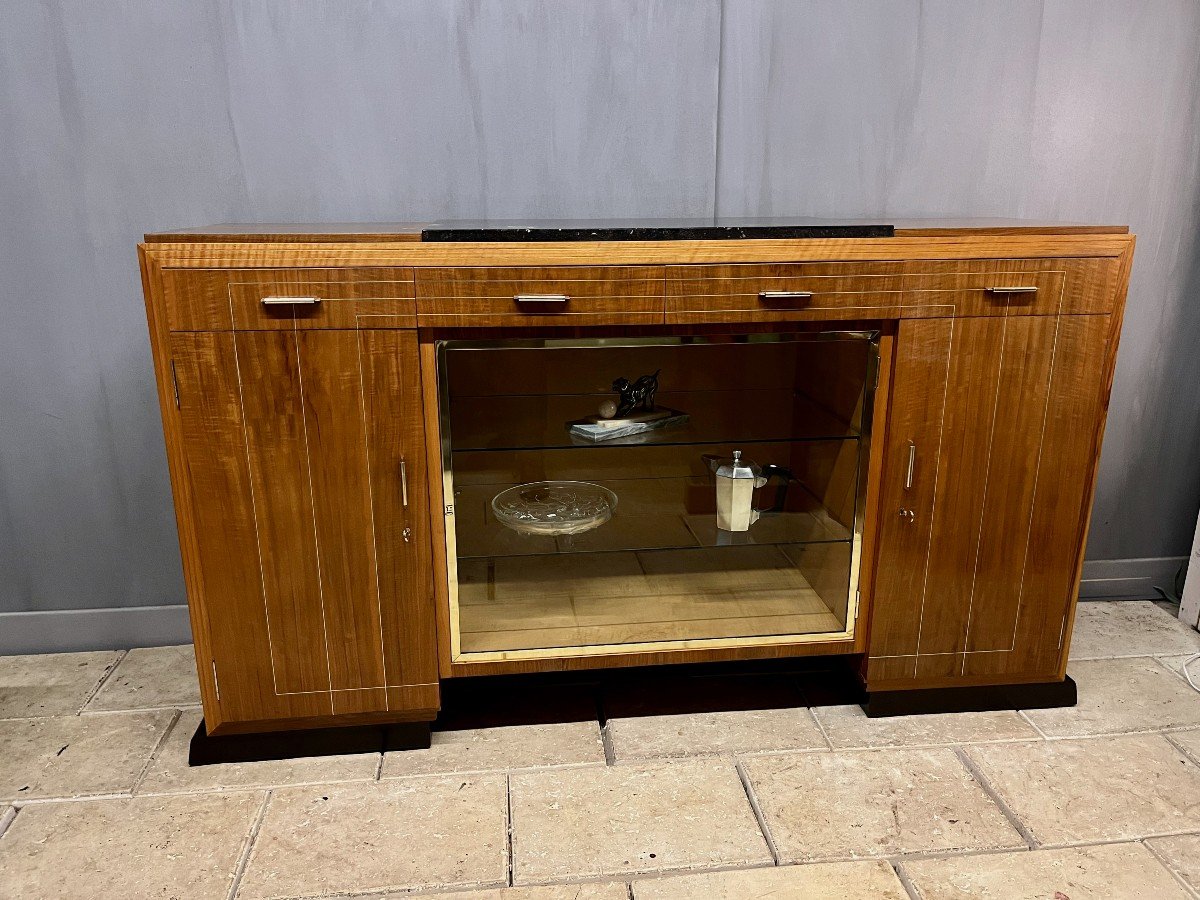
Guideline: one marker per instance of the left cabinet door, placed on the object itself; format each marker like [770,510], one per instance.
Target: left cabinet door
[304,452]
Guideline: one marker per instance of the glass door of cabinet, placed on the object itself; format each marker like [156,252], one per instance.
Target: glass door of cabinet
[624,494]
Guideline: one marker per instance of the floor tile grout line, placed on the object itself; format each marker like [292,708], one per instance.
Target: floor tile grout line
[1125,839]
[248,788]
[1178,746]
[606,741]
[812,713]
[1032,724]
[425,892]
[905,881]
[158,746]
[756,809]
[181,707]
[904,856]
[1166,864]
[897,859]
[109,713]
[21,803]
[251,839]
[635,876]
[7,818]
[508,828]
[1007,811]
[1178,673]
[108,673]
[893,860]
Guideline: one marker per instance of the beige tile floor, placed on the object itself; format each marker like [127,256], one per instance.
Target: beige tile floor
[1102,800]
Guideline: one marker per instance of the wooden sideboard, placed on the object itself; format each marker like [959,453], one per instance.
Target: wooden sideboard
[299,389]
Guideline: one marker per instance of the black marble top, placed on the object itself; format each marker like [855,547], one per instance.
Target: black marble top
[649,229]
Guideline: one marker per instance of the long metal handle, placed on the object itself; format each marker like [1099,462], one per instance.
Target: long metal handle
[1012,289]
[290,301]
[778,296]
[912,465]
[403,482]
[534,303]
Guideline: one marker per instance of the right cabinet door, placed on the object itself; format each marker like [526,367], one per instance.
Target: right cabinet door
[989,463]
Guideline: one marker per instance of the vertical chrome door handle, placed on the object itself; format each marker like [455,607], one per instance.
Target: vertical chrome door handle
[404,483]
[912,465]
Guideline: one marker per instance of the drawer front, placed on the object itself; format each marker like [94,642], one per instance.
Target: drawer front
[810,291]
[271,299]
[552,296]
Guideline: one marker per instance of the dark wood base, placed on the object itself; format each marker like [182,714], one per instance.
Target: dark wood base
[235,748]
[970,699]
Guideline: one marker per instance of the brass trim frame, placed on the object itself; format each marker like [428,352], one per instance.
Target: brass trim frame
[847,634]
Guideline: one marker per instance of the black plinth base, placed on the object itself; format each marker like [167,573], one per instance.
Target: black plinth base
[970,699]
[235,748]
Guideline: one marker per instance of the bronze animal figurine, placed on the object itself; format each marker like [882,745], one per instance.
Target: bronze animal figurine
[639,395]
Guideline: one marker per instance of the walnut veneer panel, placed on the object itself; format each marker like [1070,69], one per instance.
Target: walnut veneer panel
[598,295]
[1038,616]
[916,409]
[903,289]
[224,299]
[314,558]
[221,521]
[1000,496]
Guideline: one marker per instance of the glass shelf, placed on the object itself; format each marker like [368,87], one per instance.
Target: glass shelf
[714,417]
[651,513]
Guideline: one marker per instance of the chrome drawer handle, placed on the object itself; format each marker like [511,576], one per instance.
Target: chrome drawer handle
[1013,289]
[777,296]
[290,301]
[542,302]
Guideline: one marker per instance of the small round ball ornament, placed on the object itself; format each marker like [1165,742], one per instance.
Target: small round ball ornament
[608,409]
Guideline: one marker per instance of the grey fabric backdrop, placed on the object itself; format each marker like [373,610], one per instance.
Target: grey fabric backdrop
[125,116]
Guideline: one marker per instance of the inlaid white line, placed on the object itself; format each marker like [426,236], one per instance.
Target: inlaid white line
[362,396]
[937,469]
[312,505]
[1036,479]
[253,501]
[987,475]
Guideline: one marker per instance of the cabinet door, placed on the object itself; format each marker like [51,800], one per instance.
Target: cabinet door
[305,456]
[981,534]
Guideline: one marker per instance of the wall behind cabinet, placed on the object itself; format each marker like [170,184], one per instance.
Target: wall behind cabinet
[135,115]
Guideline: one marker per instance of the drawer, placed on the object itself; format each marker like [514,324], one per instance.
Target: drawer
[804,291]
[550,296]
[270,299]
